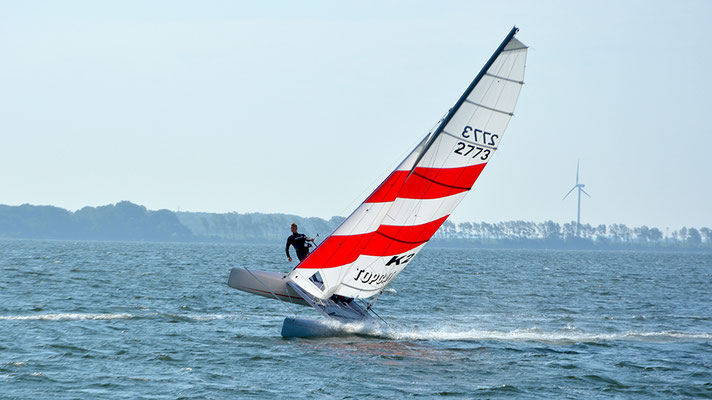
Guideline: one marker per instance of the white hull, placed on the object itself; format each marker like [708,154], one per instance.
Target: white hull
[264,283]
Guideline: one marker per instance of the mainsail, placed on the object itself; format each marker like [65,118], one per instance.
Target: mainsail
[373,245]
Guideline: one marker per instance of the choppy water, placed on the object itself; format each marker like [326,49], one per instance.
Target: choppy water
[135,320]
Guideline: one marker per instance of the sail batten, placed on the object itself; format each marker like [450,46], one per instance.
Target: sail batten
[490,108]
[503,78]
[373,245]
[460,138]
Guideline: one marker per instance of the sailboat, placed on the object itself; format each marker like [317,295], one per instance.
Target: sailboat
[350,269]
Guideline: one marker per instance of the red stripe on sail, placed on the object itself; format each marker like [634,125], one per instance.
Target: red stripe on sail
[435,183]
[388,240]
[336,251]
[410,234]
[389,188]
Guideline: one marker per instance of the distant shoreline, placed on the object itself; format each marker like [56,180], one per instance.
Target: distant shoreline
[126,221]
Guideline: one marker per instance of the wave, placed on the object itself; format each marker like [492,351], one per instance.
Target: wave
[210,317]
[192,316]
[565,336]
[112,316]
[64,317]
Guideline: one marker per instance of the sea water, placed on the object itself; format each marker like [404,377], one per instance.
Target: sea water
[119,320]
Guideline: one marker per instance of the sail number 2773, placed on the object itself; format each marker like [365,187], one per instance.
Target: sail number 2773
[487,138]
[464,149]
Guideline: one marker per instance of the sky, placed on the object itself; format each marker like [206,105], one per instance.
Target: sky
[305,107]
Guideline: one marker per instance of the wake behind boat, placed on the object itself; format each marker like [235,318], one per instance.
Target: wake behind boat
[377,241]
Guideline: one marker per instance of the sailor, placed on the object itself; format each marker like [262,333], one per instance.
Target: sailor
[299,241]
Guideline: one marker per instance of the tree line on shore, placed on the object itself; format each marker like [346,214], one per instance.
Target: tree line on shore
[129,221]
[552,232]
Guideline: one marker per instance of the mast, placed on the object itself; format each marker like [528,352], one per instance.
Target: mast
[467,92]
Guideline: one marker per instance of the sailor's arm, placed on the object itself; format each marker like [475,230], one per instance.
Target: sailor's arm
[286,249]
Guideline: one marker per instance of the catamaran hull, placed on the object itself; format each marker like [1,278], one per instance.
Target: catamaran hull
[264,283]
[308,328]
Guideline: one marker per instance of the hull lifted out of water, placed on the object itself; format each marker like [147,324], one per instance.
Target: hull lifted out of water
[378,240]
[266,284]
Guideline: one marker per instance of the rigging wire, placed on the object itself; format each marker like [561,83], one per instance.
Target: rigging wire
[376,314]
[275,296]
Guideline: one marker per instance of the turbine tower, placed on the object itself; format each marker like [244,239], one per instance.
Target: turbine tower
[578,186]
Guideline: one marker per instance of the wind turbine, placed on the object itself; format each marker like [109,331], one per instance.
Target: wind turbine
[578,186]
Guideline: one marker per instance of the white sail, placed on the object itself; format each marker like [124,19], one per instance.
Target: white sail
[383,235]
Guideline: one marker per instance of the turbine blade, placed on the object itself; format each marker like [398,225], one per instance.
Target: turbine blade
[577,170]
[584,192]
[567,194]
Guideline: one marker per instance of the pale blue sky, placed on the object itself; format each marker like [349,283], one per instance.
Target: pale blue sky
[304,107]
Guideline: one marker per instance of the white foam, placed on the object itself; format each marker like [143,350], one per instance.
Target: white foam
[531,335]
[209,317]
[64,316]
[108,316]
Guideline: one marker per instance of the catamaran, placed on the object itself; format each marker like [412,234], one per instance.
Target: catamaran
[350,269]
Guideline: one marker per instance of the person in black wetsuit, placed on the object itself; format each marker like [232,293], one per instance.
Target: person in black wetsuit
[299,241]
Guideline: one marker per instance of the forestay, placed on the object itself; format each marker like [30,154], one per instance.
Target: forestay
[373,245]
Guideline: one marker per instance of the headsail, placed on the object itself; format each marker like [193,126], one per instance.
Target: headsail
[376,242]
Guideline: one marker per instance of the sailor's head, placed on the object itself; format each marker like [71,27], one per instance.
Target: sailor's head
[294,227]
